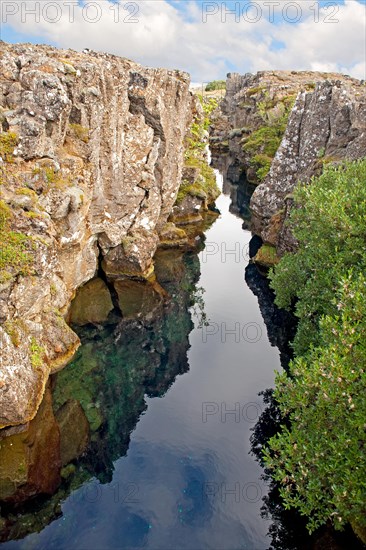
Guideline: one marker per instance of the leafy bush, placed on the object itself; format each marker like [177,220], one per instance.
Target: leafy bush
[319,460]
[330,226]
[216,85]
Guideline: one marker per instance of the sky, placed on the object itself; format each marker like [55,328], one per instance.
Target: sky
[208,39]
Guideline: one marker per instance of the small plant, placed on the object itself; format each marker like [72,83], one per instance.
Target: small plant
[13,329]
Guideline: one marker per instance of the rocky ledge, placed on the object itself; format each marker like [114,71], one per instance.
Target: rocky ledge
[92,154]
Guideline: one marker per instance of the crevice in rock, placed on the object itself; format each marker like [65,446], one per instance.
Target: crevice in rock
[102,275]
[140,207]
[138,107]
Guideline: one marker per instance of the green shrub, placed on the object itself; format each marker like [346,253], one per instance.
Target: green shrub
[216,85]
[319,459]
[330,226]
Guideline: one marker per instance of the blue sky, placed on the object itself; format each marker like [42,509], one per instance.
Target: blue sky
[200,36]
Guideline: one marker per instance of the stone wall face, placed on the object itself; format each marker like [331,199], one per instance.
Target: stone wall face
[94,174]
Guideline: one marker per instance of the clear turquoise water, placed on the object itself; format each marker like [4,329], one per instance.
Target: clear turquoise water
[169,466]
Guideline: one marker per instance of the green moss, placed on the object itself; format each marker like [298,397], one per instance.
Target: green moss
[15,254]
[8,142]
[52,178]
[5,215]
[27,192]
[254,91]
[204,187]
[262,164]
[36,354]
[263,143]
[15,329]
[267,256]
[81,132]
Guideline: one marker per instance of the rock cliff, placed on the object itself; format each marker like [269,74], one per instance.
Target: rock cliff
[91,149]
[276,128]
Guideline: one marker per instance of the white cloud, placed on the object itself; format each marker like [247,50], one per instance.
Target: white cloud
[177,38]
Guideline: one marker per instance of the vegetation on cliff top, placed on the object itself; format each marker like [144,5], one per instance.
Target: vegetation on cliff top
[216,85]
[319,460]
[263,143]
[204,186]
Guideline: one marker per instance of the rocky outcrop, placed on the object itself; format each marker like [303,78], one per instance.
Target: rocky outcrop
[251,102]
[91,154]
[326,125]
[276,128]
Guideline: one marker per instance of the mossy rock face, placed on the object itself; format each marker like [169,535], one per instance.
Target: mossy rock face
[360,531]
[266,256]
[136,298]
[92,304]
[172,236]
[79,381]
[74,430]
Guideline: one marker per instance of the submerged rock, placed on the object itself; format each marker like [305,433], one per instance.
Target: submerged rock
[92,304]
[136,298]
[74,431]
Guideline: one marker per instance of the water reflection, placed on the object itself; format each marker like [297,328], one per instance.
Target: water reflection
[98,399]
[287,529]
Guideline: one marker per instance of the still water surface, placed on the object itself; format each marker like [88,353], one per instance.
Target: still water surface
[187,480]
